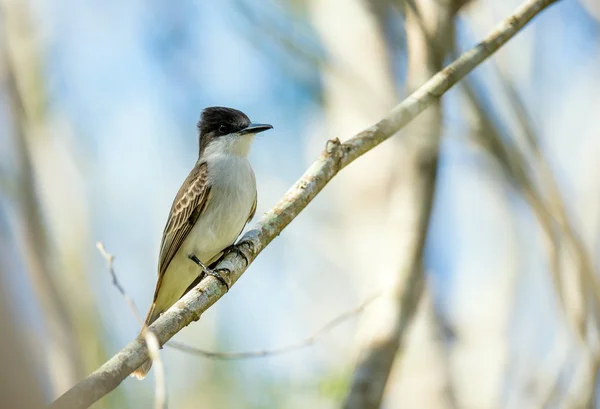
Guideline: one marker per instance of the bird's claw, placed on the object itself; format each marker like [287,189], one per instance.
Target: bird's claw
[208,271]
[235,249]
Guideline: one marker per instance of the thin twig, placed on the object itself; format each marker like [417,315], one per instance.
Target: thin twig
[115,281]
[336,156]
[160,392]
[229,356]
[310,340]
[151,340]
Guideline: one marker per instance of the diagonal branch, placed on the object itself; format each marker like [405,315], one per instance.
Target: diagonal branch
[336,156]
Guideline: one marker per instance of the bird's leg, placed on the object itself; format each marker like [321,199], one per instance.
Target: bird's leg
[208,271]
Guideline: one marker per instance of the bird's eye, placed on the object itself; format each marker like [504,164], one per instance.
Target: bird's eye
[223,129]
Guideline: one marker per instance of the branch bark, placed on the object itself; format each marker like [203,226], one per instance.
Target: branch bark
[335,157]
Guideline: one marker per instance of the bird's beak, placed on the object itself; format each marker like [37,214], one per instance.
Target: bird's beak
[255,128]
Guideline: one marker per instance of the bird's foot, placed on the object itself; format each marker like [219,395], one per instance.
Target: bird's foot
[208,271]
[235,249]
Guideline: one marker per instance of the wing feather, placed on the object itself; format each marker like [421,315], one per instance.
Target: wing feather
[189,202]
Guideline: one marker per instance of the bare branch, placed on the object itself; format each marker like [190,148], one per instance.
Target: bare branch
[336,156]
[151,340]
[310,340]
[228,356]
[115,281]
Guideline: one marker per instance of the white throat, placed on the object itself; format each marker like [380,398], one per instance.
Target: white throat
[230,145]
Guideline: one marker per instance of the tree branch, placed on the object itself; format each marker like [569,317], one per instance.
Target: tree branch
[228,356]
[336,156]
[310,340]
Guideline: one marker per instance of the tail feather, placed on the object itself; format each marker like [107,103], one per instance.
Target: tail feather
[153,315]
[143,370]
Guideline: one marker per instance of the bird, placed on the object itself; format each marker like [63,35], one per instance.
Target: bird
[212,207]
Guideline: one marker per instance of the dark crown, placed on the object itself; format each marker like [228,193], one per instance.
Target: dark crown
[220,121]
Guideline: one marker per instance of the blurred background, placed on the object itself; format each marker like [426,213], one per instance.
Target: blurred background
[98,108]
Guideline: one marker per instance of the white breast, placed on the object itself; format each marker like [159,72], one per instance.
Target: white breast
[232,195]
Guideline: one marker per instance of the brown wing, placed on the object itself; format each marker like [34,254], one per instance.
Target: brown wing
[187,206]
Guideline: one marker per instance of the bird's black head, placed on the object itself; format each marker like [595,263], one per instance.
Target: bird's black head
[220,121]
